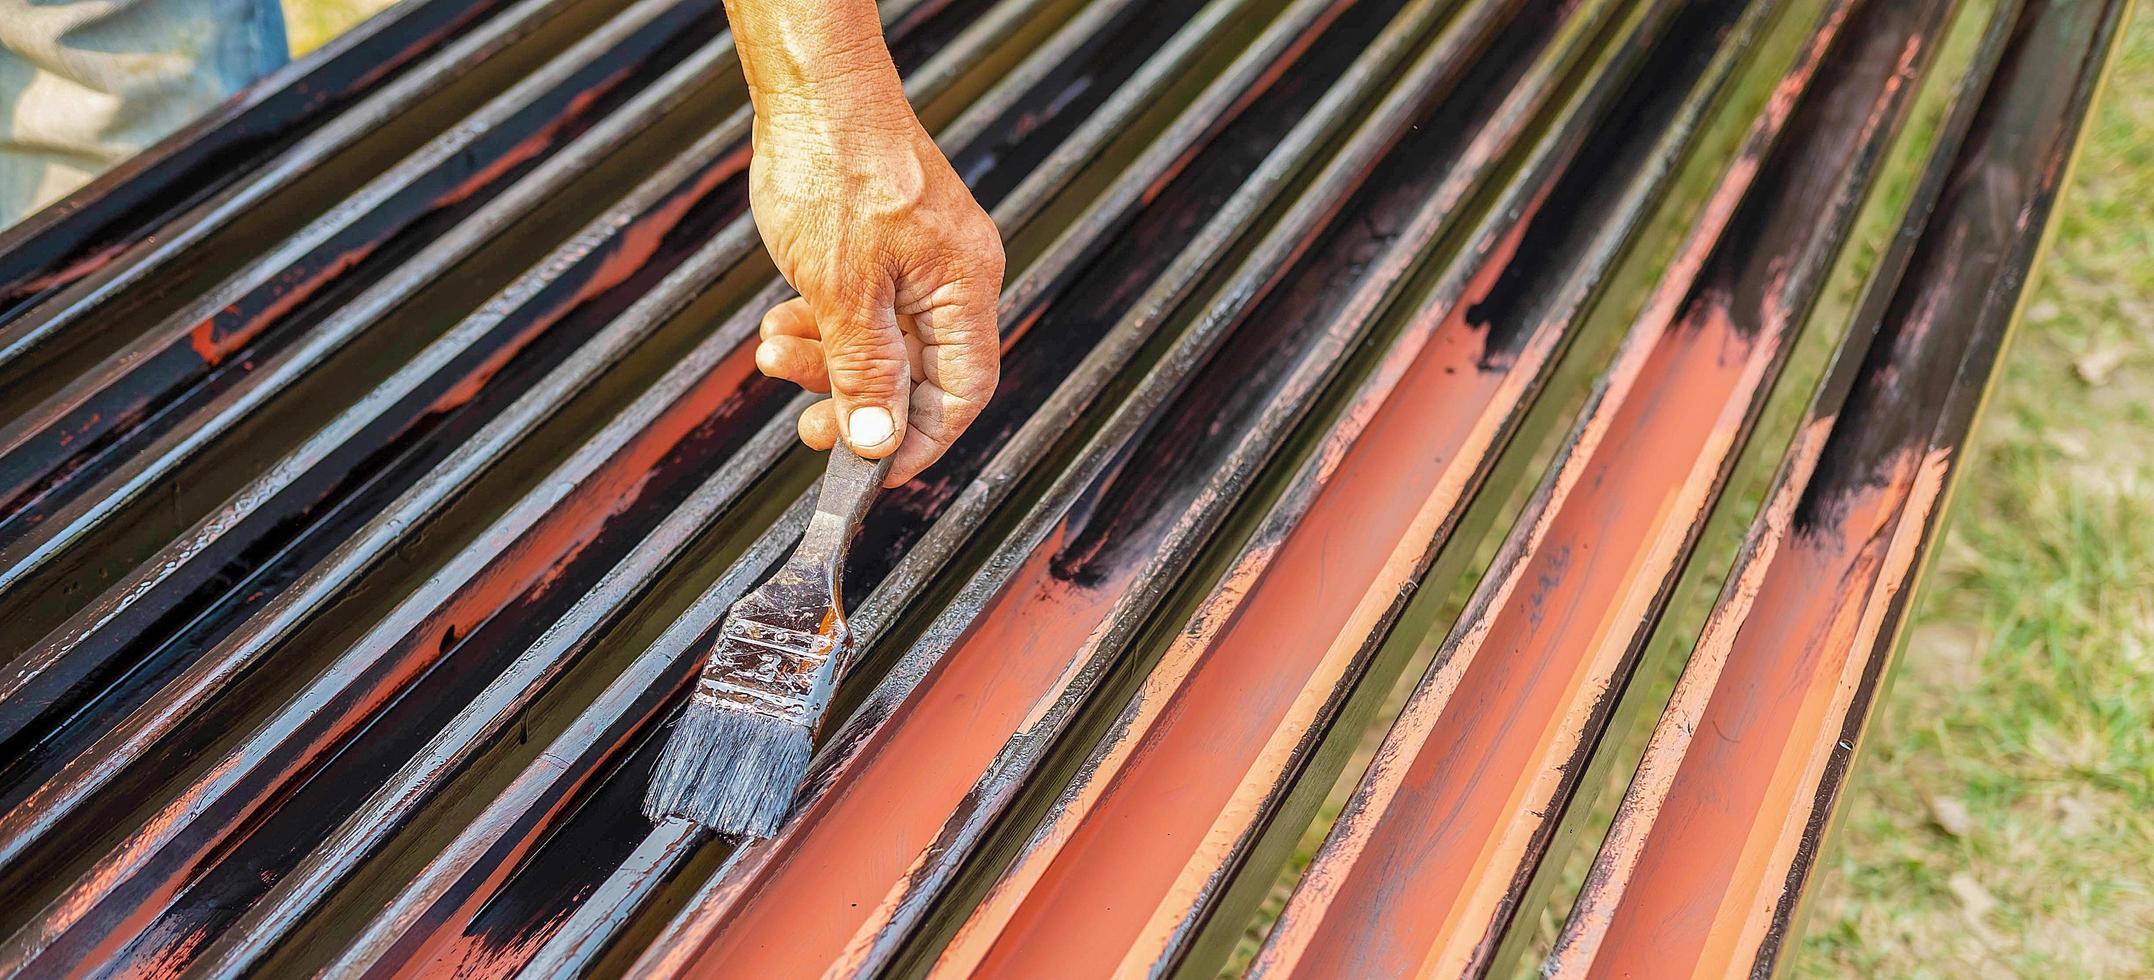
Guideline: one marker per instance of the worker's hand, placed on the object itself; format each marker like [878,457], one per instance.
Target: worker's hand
[898,270]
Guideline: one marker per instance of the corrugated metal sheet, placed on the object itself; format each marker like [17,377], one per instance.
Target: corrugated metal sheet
[380,453]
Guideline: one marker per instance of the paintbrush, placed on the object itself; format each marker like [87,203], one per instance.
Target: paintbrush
[740,750]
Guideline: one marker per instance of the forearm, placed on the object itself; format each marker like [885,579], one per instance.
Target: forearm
[898,268]
[817,61]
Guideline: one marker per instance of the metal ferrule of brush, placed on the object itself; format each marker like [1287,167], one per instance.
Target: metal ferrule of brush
[772,670]
[777,649]
[742,746]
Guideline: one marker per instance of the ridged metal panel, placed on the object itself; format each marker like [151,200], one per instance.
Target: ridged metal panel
[1717,838]
[381,452]
[62,244]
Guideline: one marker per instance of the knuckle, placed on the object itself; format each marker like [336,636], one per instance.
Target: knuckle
[962,412]
[861,344]
[971,397]
[773,323]
[863,374]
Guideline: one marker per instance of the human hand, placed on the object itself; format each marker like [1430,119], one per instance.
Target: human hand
[898,270]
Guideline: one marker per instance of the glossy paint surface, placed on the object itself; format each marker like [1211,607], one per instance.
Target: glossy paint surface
[248,319]
[1178,791]
[54,341]
[1712,846]
[1468,786]
[1173,216]
[79,234]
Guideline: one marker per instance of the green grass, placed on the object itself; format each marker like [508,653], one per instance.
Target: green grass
[2001,819]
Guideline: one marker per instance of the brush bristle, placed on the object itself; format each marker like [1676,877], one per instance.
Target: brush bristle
[734,772]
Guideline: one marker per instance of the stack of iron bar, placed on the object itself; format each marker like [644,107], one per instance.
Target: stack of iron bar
[380,453]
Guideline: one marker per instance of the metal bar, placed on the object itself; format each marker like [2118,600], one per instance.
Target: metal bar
[1787,673]
[1135,851]
[1585,926]
[671,294]
[568,637]
[74,325]
[253,316]
[1472,781]
[1196,191]
[39,683]
[597,920]
[221,334]
[650,254]
[909,793]
[620,254]
[352,655]
[369,679]
[1058,327]
[77,235]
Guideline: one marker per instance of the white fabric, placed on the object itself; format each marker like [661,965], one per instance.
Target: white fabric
[85,83]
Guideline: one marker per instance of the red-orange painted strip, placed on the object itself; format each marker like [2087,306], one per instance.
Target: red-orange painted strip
[1713,842]
[134,882]
[1157,817]
[875,843]
[1470,784]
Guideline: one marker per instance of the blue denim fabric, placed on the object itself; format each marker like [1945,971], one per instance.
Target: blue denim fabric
[85,83]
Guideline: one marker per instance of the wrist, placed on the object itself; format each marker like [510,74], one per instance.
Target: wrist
[817,63]
[856,106]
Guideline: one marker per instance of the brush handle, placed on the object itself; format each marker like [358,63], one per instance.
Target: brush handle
[850,485]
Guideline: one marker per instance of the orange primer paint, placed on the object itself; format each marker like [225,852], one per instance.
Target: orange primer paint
[1456,818]
[1222,715]
[1468,784]
[528,563]
[827,878]
[1721,835]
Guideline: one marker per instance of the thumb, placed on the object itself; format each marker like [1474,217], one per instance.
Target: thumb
[869,379]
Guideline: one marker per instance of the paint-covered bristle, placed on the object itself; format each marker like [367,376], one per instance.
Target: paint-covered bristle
[741,748]
[734,772]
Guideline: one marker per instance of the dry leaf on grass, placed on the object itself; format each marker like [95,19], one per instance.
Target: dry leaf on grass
[1951,816]
[2095,366]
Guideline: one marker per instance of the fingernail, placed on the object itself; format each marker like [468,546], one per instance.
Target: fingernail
[871,426]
